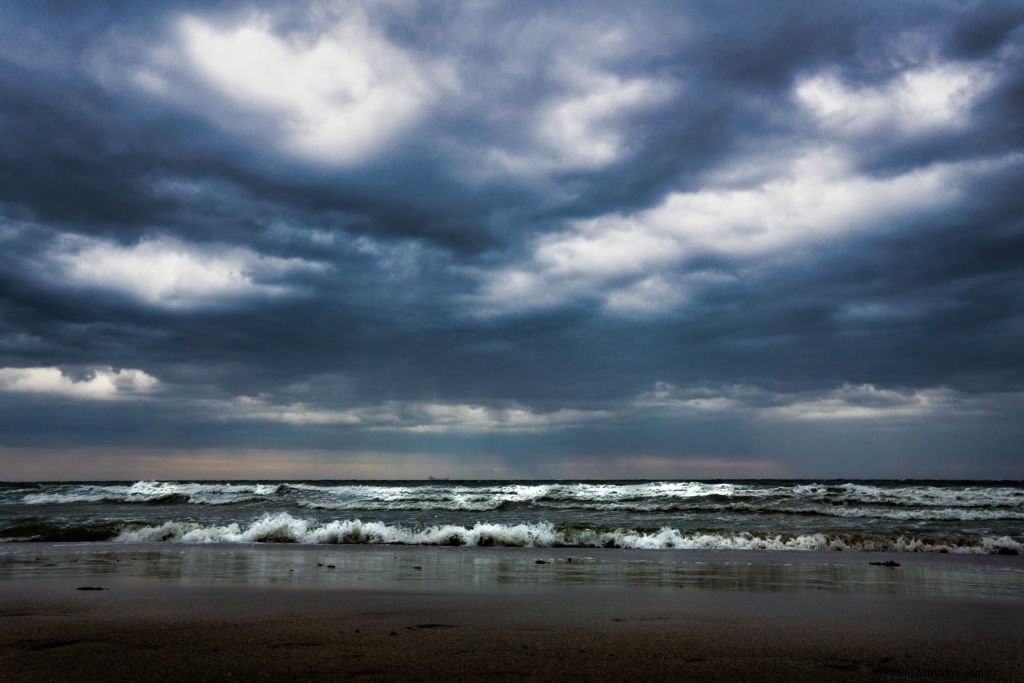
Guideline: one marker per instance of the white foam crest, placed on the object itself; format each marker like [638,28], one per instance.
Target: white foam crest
[441,497]
[283,528]
[154,491]
[810,490]
[959,496]
[455,501]
[667,538]
[994,545]
[161,488]
[471,503]
[693,489]
[77,493]
[492,498]
[465,505]
[61,498]
[356,531]
[367,494]
[202,493]
[525,492]
[659,489]
[937,514]
[339,505]
[619,496]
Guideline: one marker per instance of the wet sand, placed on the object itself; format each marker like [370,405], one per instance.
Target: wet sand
[230,624]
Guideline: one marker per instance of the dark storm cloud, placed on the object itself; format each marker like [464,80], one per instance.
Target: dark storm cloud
[980,33]
[529,231]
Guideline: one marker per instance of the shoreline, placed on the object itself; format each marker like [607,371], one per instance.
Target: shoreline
[266,612]
[395,567]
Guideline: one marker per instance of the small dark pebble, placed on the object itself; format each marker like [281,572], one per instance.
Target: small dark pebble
[91,588]
[418,567]
[319,564]
[887,563]
[331,566]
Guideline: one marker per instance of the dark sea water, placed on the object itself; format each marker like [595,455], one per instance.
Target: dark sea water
[927,516]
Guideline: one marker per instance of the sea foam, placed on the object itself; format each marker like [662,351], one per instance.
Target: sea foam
[284,528]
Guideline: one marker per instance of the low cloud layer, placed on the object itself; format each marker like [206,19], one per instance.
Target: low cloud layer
[169,274]
[100,384]
[517,238]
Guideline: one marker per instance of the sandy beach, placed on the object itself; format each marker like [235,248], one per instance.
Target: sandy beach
[260,613]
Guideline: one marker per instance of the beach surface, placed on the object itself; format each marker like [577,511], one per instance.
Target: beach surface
[403,613]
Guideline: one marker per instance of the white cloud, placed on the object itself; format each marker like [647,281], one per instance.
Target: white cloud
[846,403]
[584,126]
[263,410]
[637,262]
[649,296]
[665,397]
[849,402]
[584,91]
[916,101]
[867,402]
[334,98]
[818,195]
[460,417]
[411,416]
[342,92]
[168,273]
[284,233]
[95,384]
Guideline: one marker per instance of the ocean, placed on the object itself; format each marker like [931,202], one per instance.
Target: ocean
[963,517]
[403,580]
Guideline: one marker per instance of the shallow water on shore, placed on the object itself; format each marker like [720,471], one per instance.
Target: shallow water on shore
[433,568]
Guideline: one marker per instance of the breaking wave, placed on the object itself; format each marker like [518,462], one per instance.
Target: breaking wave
[154,492]
[895,501]
[955,517]
[283,528]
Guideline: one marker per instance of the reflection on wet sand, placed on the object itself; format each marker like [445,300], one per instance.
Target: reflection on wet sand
[402,567]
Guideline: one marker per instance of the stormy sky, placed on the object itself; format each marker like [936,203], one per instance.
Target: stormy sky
[475,240]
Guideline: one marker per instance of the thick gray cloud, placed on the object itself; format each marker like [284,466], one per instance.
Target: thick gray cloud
[513,239]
